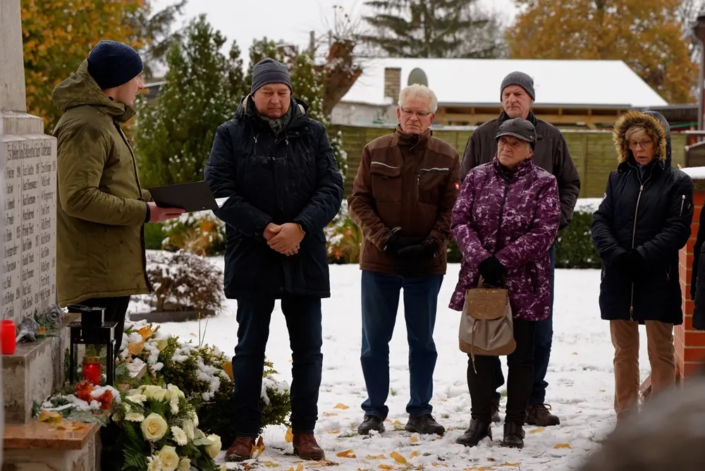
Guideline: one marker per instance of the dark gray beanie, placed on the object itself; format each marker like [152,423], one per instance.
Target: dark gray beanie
[520,79]
[112,64]
[269,71]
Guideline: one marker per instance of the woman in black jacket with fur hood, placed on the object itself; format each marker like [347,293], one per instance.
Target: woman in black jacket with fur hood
[642,223]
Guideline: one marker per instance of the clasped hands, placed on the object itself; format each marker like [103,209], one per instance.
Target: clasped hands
[285,238]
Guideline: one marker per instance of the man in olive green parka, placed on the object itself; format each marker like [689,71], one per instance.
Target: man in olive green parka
[102,208]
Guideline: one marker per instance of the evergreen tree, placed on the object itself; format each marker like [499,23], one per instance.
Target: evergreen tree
[433,28]
[174,138]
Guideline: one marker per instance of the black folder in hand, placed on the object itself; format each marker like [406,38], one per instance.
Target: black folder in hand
[187,196]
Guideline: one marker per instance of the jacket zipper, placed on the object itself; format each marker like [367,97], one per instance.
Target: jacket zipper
[501,212]
[426,170]
[139,188]
[636,216]
[680,214]
[382,164]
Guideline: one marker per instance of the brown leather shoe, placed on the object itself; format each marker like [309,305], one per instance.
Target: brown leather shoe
[540,415]
[306,447]
[240,450]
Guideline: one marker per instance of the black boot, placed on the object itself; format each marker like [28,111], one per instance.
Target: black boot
[478,431]
[513,435]
[369,423]
[425,424]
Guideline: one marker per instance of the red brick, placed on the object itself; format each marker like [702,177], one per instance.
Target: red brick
[694,354]
[687,321]
[688,305]
[699,199]
[690,369]
[694,339]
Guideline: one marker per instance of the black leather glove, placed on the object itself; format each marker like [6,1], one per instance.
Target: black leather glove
[423,251]
[397,242]
[492,271]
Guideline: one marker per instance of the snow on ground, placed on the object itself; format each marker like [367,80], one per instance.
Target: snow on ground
[580,380]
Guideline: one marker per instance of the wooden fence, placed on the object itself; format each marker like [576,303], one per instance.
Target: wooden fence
[592,152]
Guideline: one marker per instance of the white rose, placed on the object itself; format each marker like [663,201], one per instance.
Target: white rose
[137,398]
[169,458]
[155,392]
[154,464]
[214,448]
[175,390]
[179,436]
[188,428]
[174,404]
[154,427]
[184,465]
[134,417]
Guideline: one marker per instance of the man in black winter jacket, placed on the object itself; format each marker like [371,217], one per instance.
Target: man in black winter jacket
[551,154]
[277,169]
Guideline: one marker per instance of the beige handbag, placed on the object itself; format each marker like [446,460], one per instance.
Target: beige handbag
[486,325]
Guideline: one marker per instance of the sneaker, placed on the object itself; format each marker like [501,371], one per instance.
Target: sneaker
[369,423]
[306,447]
[538,414]
[240,450]
[425,424]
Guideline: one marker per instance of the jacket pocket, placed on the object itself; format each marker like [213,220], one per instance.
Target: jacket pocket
[386,182]
[430,183]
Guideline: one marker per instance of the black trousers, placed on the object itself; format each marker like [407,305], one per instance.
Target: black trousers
[115,311]
[520,381]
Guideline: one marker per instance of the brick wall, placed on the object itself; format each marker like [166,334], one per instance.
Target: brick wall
[690,343]
[592,152]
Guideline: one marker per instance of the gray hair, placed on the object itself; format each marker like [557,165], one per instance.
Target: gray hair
[419,91]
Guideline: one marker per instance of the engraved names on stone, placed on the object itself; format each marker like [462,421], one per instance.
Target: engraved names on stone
[28,275]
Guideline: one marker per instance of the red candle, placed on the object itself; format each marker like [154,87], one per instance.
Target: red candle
[8,334]
[91,373]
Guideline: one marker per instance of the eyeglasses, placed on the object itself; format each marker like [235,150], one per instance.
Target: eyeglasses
[419,114]
[642,144]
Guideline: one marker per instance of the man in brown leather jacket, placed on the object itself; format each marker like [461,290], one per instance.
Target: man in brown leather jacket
[402,200]
[551,154]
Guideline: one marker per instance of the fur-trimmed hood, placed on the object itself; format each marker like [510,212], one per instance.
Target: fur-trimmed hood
[656,127]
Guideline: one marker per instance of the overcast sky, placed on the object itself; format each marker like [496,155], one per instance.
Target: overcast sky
[290,20]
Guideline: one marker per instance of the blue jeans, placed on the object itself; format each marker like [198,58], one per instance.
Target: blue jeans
[380,302]
[543,339]
[303,319]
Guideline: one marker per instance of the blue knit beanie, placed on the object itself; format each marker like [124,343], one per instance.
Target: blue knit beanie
[112,64]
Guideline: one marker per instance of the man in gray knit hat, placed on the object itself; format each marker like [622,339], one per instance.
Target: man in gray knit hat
[278,171]
[551,153]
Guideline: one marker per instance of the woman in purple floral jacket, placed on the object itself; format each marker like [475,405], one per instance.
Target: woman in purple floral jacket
[504,222]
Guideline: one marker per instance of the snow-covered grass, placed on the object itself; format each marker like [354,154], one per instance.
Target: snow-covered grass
[580,380]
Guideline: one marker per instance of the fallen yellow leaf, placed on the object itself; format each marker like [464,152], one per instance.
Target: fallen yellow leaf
[50,417]
[290,469]
[334,432]
[398,458]
[537,430]
[376,457]
[511,464]
[414,454]
[562,445]
[289,437]
[341,406]
[135,348]
[145,332]
[346,454]
[330,414]
[385,466]
[259,448]
[299,467]
[162,344]
[228,368]
[271,464]
[414,439]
